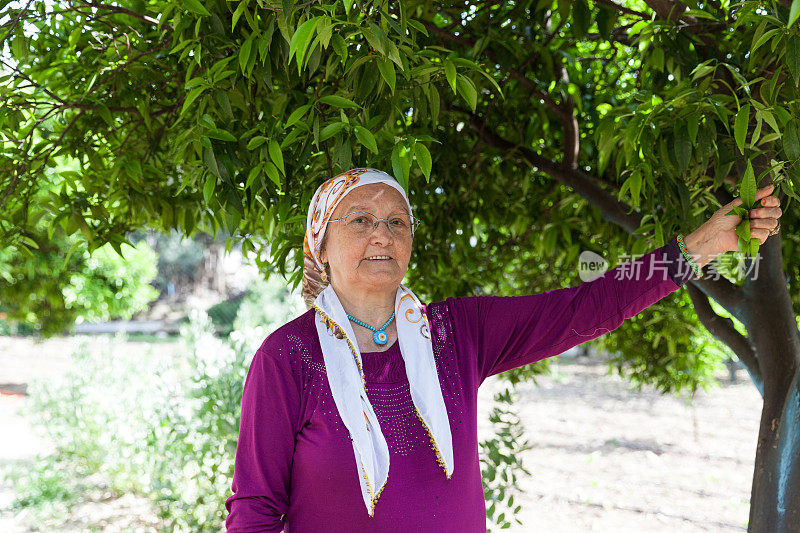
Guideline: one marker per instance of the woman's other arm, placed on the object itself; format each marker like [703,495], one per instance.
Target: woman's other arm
[271,407]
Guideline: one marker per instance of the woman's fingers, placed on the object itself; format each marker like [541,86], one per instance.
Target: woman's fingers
[760,234]
[766,212]
[764,191]
[770,201]
[763,223]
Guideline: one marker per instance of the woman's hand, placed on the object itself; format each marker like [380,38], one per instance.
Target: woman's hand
[718,234]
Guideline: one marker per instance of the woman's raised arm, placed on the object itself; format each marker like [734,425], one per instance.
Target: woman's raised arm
[504,332]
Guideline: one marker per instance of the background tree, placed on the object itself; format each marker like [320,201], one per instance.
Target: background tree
[524,131]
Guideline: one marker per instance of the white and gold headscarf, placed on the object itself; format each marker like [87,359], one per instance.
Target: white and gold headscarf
[343,358]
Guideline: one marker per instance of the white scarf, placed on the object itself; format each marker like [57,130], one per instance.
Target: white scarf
[343,359]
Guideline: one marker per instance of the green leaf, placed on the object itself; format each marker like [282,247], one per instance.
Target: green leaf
[254,173]
[339,46]
[791,140]
[366,138]
[275,155]
[211,161]
[702,70]
[581,17]
[794,12]
[208,188]
[769,118]
[450,72]
[297,114]
[692,126]
[683,150]
[606,17]
[740,126]
[75,36]
[738,211]
[793,57]
[743,230]
[400,166]
[301,39]
[272,173]
[238,13]
[256,141]
[563,9]
[747,189]
[423,156]
[339,101]
[635,186]
[418,26]
[195,6]
[763,39]
[330,130]
[388,73]
[105,113]
[754,245]
[373,41]
[467,91]
[191,97]
[221,135]
[244,54]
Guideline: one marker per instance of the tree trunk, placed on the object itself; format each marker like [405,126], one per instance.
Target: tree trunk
[772,327]
[775,498]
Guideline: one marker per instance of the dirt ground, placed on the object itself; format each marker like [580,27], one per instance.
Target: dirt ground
[603,457]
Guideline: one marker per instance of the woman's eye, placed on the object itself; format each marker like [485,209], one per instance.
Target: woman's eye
[359,220]
[397,222]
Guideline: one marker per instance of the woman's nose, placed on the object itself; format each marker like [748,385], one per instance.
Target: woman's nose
[382,233]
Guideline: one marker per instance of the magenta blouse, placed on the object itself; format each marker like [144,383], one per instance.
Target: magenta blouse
[295,470]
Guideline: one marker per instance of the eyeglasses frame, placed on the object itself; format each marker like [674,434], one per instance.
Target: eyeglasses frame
[415,222]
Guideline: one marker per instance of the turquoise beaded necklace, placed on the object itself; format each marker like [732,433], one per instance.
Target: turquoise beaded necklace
[380,337]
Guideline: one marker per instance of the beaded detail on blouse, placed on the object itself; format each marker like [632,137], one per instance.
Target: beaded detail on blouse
[388,388]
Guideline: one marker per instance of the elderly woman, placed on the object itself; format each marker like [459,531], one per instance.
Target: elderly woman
[360,414]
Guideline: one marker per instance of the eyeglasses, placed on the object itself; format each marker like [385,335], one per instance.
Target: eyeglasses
[362,223]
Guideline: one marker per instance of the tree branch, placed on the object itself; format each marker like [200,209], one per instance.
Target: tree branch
[723,330]
[125,11]
[723,291]
[623,9]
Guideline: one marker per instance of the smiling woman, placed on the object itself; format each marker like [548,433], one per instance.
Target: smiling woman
[370,377]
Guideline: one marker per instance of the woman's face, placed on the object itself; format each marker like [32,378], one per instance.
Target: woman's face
[347,253]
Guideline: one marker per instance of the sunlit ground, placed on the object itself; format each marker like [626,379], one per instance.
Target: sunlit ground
[603,458]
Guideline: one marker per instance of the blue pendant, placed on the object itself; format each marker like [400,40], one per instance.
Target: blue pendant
[380,337]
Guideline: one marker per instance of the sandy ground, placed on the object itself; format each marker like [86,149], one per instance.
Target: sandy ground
[603,457]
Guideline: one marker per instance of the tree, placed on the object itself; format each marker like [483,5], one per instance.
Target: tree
[524,132]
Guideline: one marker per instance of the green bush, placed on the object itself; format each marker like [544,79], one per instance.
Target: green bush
[164,427]
[224,313]
[265,301]
[47,295]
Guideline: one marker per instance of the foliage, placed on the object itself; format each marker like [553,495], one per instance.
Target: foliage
[214,115]
[51,293]
[111,286]
[223,313]
[171,436]
[268,301]
[501,461]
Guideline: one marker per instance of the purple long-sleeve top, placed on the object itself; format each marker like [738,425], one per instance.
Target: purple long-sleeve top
[295,469]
